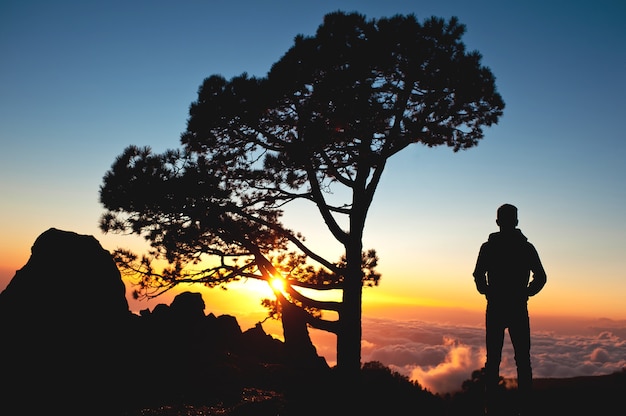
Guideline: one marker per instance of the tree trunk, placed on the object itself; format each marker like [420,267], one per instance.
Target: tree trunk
[349,335]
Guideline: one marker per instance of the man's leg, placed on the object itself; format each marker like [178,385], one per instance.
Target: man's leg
[520,338]
[494,342]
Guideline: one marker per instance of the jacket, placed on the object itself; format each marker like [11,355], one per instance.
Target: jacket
[504,266]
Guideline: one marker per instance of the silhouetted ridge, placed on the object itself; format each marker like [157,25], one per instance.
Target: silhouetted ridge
[69,340]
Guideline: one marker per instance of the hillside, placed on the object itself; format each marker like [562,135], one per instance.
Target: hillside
[578,396]
[591,395]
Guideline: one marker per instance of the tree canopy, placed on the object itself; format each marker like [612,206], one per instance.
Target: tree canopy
[324,121]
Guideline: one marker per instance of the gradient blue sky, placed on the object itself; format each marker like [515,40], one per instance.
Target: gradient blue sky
[82,80]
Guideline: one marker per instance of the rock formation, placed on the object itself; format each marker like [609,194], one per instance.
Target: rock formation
[70,342]
[64,320]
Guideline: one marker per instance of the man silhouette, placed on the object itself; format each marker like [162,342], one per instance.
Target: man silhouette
[502,274]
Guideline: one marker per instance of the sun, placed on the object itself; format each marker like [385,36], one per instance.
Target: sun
[278,283]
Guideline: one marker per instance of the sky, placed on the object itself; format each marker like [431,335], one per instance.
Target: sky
[80,81]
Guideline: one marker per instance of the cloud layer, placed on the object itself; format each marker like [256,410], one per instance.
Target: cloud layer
[441,356]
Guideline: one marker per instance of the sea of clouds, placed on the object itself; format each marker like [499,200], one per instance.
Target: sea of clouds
[441,356]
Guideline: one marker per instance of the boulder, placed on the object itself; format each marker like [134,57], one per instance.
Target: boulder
[67,277]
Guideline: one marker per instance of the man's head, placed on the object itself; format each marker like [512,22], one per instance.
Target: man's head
[507,217]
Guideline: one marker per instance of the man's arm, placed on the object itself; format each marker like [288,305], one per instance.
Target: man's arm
[539,274]
[480,272]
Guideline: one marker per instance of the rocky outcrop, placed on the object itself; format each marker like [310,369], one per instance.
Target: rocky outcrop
[70,341]
[64,321]
[69,278]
